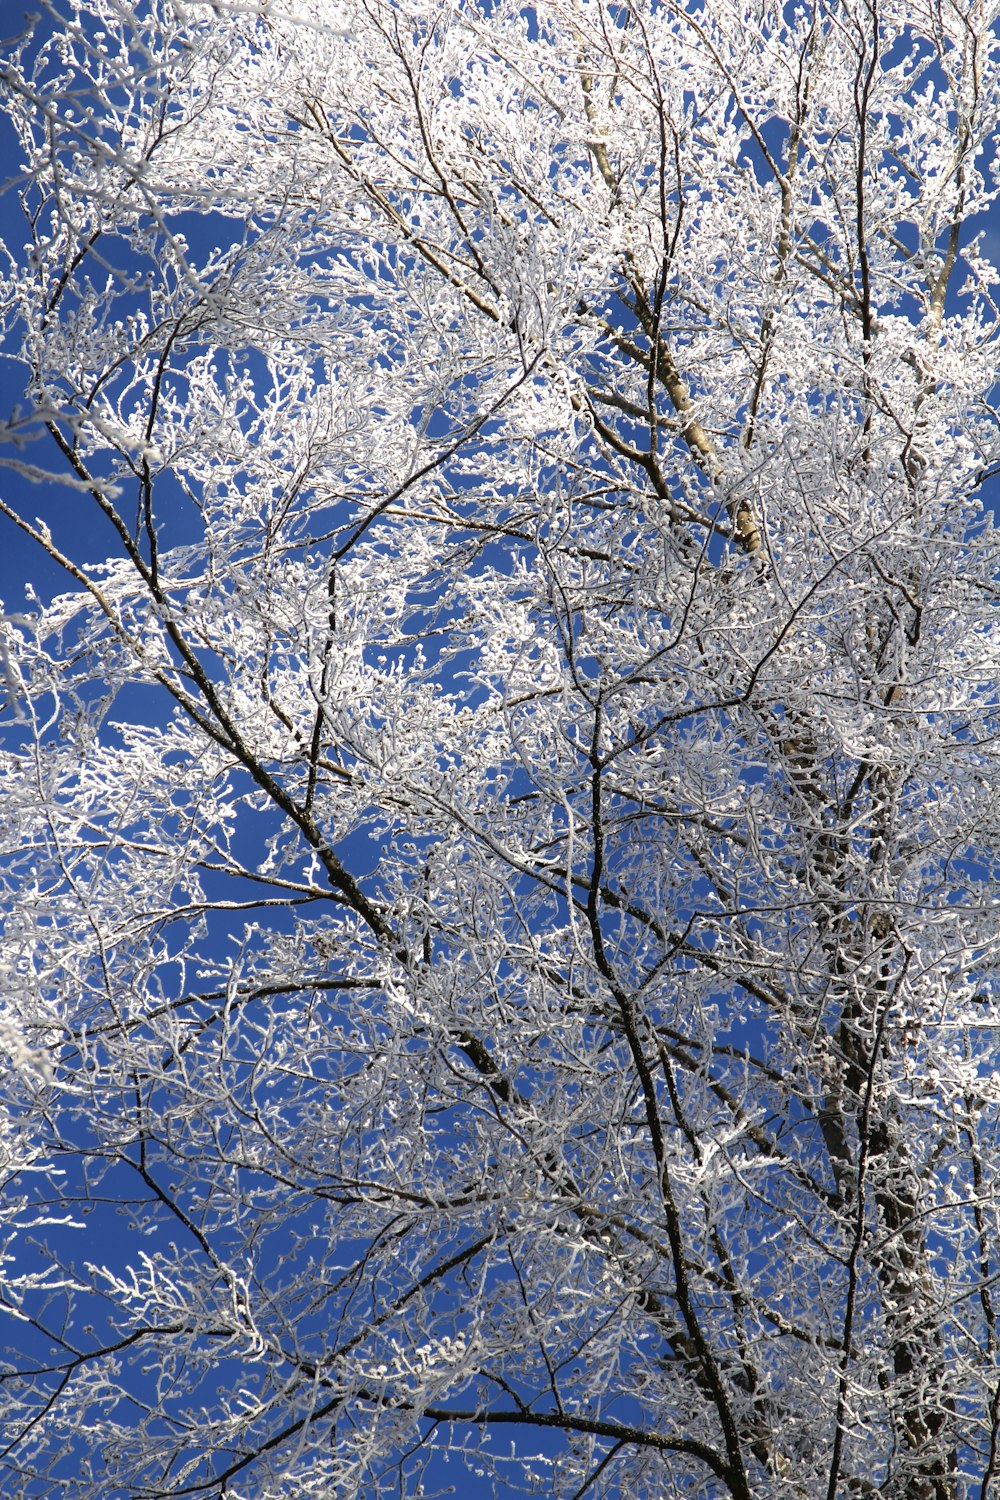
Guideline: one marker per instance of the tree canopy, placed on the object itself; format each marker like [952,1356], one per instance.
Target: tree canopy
[499,757]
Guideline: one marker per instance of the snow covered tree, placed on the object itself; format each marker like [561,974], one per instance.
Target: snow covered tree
[499,757]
